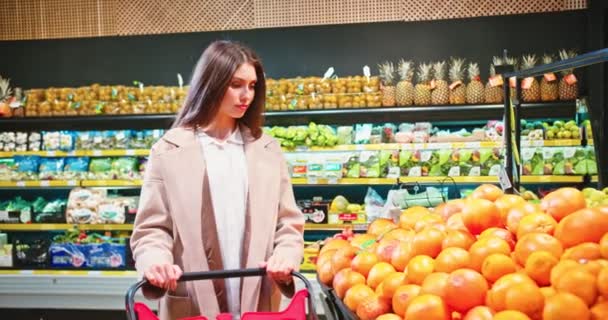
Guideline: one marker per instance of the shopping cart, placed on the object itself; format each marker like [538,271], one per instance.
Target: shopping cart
[295,311]
[335,309]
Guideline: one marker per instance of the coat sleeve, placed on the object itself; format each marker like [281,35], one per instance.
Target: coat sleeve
[152,237]
[289,235]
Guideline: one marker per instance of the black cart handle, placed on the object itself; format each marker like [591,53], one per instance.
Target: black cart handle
[218,274]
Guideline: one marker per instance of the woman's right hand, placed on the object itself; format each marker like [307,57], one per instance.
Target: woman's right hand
[164,276]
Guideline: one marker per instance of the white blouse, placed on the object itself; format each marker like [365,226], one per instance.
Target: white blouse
[227,173]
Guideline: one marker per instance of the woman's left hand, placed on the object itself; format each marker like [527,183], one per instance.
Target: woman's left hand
[278,269]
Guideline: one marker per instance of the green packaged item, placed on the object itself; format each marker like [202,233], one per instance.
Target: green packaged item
[389,164]
[7,169]
[125,168]
[533,162]
[351,167]
[345,135]
[100,169]
[370,164]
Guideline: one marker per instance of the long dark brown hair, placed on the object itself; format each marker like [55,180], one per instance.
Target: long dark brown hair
[210,80]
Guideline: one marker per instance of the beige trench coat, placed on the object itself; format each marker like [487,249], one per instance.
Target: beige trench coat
[175,224]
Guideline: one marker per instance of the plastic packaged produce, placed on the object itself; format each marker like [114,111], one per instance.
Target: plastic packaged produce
[83,204]
[76,168]
[351,167]
[389,163]
[51,168]
[58,140]
[26,168]
[7,169]
[84,140]
[345,135]
[120,139]
[100,169]
[125,168]
[34,141]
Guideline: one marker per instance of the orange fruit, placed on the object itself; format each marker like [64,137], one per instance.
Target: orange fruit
[602,282]
[403,296]
[526,298]
[379,272]
[326,274]
[447,209]
[580,283]
[536,222]
[499,233]
[373,307]
[592,266]
[548,291]
[487,191]
[538,267]
[479,313]
[481,249]
[391,283]
[604,246]
[343,258]
[533,242]
[389,316]
[517,212]
[457,238]
[325,256]
[399,234]
[419,268]
[357,294]
[565,306]
[429,220]
[599,311]
[455,222]
[496,295]
[385,249]
[345,279]
[380,226]
[334,244]
[465,289]
[427,307]
[562,202]
[363,241]
[410,216]
[497,265]
[435,283]
[562,267]
[363,262]
[584,251]
[428,242]
[505,202]
[402,255]
[586,225]
[451,259]
[510,315]
[479,215]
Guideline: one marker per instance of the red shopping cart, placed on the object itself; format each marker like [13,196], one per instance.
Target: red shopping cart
[295,311]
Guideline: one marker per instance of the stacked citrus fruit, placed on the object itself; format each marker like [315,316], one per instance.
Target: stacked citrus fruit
[489,256]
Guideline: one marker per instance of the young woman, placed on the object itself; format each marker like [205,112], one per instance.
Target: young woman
[217,195]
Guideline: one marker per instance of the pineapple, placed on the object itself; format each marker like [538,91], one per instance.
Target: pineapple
[494,94]
[549,89]
[567,91]
[532,93]
[475,89]
[422,90]
[387,74]
[441,94]
[404,94]
[457,88]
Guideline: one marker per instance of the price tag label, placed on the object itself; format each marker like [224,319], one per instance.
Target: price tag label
[455,84]
[454,172]
[550,77]
[97,153]
[496,81]
[415,172]
[20,183]
[570,79]
[312,180]
[332,180]
[51,153]
[505,183]
[527,83]
[130,152]
[44,183]
[407,146]
[472,145]
[72,183]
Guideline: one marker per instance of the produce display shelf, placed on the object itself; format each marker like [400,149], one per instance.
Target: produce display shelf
[478,113]
[344,181]
[63,226]
[70,183]
[349,147]
[111,183]
[98,273]
[79,153]
[491,179]
[129,227]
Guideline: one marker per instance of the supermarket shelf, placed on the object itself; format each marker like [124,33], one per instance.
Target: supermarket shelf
[491,179]
[333,227]
[335,116]
[426,113]
[90,290]
[39,184]
[111,183]
[552,143]
[79,153]
[344,181]
[63,226]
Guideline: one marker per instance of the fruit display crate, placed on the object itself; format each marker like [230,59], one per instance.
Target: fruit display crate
[129,227]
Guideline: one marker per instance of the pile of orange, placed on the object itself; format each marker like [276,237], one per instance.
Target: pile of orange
[489,256]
